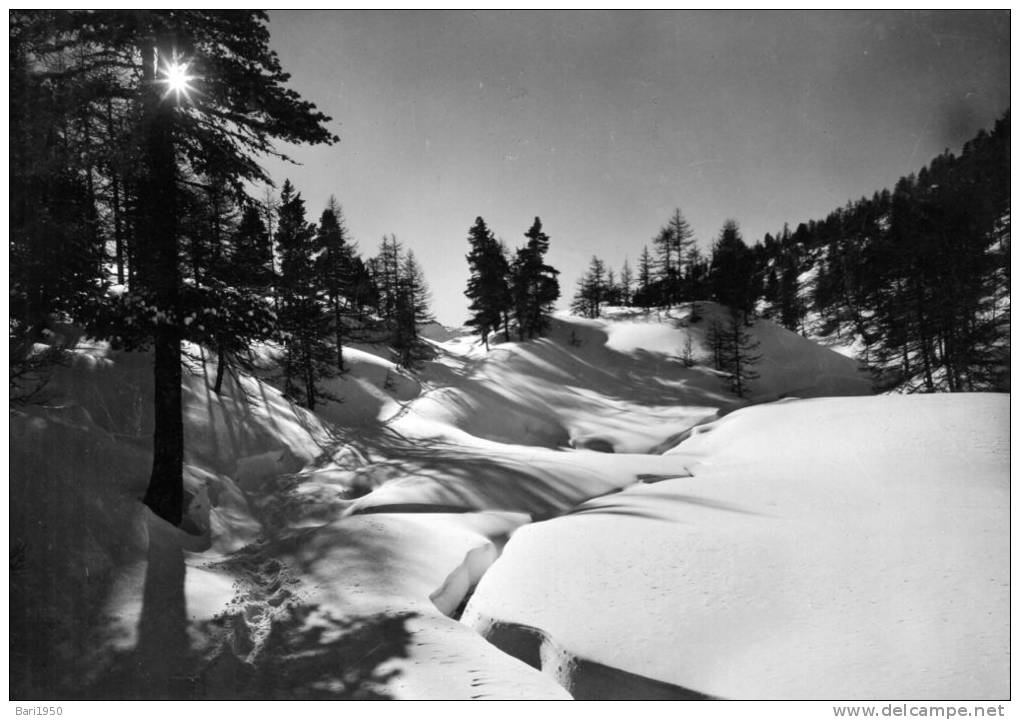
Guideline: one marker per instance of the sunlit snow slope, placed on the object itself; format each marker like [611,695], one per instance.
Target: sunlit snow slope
[331,554]
[830,548]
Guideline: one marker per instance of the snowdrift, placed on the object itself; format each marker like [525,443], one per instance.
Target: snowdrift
[831,548]
[582,515]
[617,384]
[271,594]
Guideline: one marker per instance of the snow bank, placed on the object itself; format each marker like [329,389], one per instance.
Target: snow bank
[618,384]
[831,548]
[81,458]
[276,597]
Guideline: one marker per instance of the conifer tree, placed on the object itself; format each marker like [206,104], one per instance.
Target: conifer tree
[739,354]
[304,319]
[489,282]
[696,280]
[591,290]
[643,296]
[335,269]
[535,287]
[234,309]
[412,300]
[119,90]
[732,275]
[666,263]
[626,283]
[386,274]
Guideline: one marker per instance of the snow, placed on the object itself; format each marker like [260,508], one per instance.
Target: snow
[628,528]
[835,548]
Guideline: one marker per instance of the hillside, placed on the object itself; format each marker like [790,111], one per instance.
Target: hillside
[332,555]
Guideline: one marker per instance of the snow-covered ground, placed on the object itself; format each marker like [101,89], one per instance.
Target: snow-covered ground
[830,548]
[633,529]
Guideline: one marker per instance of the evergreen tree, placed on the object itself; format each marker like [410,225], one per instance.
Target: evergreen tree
[666,270]
[55,261]
[412,311]
[335,269]
[613,293]
[673,244]
[732,275]
[696,280]
[682,237]
[644,294]
[535,287]
[304,317]
[363,291]
[626,283]
[231,309]
[489,282]
[716,339]
[591,290]
[739,354]
[386,274]
[124,119]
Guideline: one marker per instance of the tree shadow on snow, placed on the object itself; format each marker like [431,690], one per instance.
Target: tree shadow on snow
[309,654]
[468,479]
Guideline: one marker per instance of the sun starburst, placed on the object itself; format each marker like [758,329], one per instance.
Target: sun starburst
[175,76]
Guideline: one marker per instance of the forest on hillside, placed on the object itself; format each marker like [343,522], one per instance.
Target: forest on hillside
[917,277]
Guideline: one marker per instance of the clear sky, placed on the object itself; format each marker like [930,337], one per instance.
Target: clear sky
[602,122]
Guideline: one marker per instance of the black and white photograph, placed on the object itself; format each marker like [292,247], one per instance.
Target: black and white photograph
[509,355]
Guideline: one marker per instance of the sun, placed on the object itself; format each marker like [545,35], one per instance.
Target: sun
[177,79]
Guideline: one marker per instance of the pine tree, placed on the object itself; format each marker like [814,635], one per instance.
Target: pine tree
[732,275]
[335,269]
[534,286]
[304,317]
[682,238]
[644,294]
[591,290]
[739,354]
[666,264]
[412,311]
[716,339]
[489,282]
[386,274]
[626,283]
[231,309]
[118,95]
[55,260]
[696,280]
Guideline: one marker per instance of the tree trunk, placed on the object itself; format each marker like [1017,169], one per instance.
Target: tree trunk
[221,365]
[339,334]
[118,236]
[309,376]
[165,494]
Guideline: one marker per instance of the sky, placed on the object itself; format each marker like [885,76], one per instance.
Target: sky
[601,123]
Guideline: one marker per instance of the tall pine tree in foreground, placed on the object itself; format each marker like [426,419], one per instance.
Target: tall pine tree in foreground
[127,141]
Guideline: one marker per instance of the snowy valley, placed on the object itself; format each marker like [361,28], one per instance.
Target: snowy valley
[581,515]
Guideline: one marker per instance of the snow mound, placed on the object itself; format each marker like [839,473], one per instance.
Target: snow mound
[850,548]
[81,458]
[615,385]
